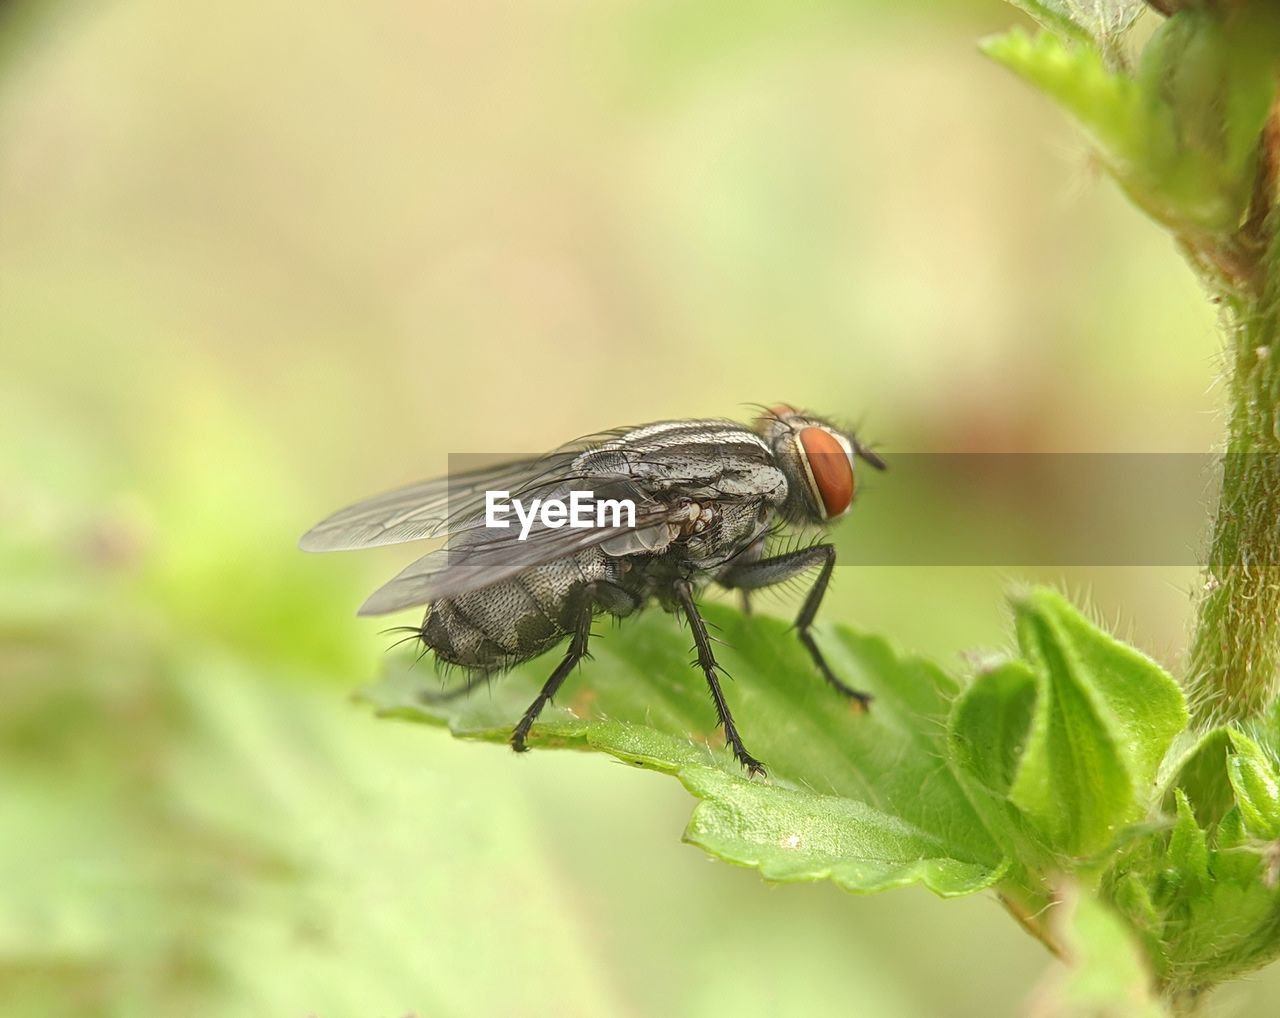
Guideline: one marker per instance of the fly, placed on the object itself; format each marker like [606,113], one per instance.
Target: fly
[706,498]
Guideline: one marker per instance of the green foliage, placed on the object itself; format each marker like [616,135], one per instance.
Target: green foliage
[1183,827]
[1054,762]
[1105,715]
[1104,971]
[1102,22]
[868,802]
[1203,899]
[1069,764]
[1060,749]
[1181,133]
[1253,779]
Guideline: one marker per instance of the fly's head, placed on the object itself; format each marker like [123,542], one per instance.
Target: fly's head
[818,460]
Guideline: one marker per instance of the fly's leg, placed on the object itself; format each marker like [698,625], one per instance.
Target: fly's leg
[613,599]
[707,662]
[753,554]
[577,651]
[766,572]
[825,553]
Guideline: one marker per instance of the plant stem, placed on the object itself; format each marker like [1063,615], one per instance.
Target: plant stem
[1033,922]
[1186,1003]
[1235,650]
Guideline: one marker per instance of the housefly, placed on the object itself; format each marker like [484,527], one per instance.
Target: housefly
[707,497]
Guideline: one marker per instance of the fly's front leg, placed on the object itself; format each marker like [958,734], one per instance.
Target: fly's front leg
[767,572]
[707,662]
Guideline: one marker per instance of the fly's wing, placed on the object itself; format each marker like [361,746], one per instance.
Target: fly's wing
[435,508]
[665,469]
[447,505]
[489,556]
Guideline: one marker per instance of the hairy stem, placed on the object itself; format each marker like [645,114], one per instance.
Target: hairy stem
[1235,650]
[1035,922]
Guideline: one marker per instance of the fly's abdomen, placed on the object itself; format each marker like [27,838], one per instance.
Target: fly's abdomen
[498,626]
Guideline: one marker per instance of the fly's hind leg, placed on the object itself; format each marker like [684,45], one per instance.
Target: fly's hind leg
[707,662]
[614,600]
[767,572]
[577,651]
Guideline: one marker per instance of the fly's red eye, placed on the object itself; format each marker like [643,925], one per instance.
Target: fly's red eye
[830,469]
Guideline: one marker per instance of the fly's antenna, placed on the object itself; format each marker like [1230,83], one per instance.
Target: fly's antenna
[869,456]
[865,452]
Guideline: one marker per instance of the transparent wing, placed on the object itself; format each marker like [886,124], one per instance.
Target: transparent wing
[435,508]
[447,505]
[487,557]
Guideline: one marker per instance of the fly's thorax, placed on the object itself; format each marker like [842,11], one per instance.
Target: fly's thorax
[695,459]
[717,481]
[721,530]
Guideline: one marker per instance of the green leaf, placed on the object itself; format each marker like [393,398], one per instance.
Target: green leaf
[868,801]
[1182,135]
[1202,895]
[1256,786]
[1207,86]
[1231,832]
[796,835]
[1106,103]
[1219,907]
[1188,859]
[1105,972]
[1104,717]
[1055,17]
[1197,764]
[1101,21]
[990,723]
[987,737]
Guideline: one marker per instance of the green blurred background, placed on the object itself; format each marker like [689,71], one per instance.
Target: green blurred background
[258,260]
